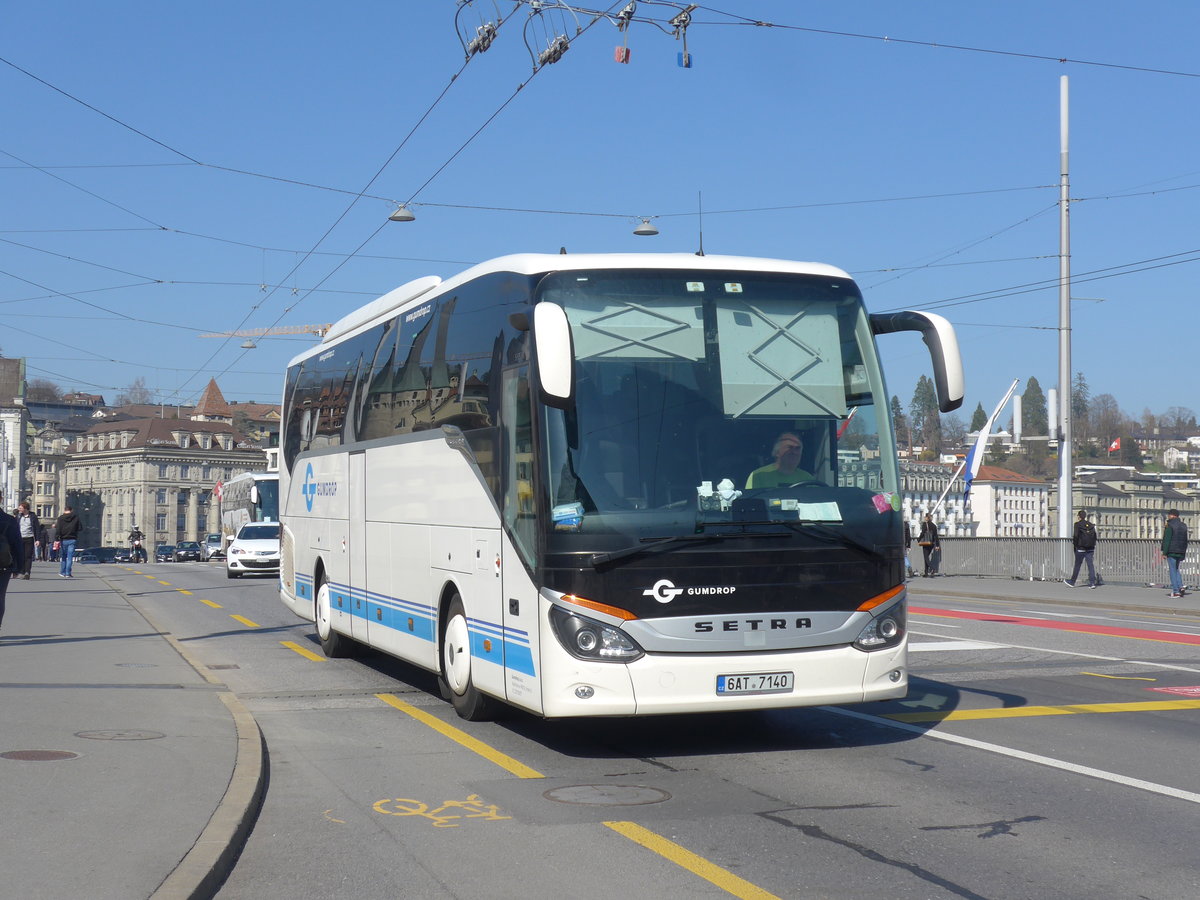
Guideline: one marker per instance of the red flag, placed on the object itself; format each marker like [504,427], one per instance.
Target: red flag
[1115,445]
[218,489]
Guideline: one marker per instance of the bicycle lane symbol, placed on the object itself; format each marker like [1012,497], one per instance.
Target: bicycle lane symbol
[471,808]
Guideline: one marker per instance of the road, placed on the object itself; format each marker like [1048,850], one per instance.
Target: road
[1043,751]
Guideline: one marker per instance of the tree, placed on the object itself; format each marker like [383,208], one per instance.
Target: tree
[137,392]
[1033,409]
[1081,430]
[925,416]
[903,432]
[41,389]
[1107,419]
[1179,419]
[978,418]
[954,432]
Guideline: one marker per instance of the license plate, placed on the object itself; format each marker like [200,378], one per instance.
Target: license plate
[758,683]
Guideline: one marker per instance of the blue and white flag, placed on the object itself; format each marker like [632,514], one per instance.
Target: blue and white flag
[975,457]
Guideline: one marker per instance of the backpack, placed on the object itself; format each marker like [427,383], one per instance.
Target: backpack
[1087,536]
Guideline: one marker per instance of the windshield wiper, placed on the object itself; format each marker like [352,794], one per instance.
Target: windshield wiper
[661,543]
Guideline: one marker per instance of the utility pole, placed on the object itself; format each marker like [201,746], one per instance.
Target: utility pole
[1065,462]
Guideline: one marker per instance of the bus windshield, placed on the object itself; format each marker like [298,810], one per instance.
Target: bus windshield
[718,401]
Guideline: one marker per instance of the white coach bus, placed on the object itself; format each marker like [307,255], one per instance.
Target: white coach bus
[621,484]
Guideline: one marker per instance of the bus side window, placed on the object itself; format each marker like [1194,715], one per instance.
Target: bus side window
[517,427]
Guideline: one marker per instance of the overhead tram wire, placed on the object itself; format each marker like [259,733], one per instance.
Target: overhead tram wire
[1031,287]
[934,45]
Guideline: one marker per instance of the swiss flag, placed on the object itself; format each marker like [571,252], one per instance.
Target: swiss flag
[217,490]
[1115,445]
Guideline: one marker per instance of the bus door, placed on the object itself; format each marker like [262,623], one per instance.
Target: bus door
[355,548]
[518,540]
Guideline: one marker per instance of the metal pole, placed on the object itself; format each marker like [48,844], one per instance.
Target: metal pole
[1065,462]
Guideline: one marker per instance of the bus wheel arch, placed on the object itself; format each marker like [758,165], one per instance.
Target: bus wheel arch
[333,644]
[454,652]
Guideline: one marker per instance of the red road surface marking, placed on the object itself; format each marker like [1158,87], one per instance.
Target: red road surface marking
[1143,634]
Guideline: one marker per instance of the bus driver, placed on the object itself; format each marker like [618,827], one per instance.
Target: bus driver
[784,471]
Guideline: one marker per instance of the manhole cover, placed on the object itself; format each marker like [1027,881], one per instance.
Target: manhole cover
[607,795]
[120,735]
[39,755]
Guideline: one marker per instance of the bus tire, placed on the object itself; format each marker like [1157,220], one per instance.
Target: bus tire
[333,644]
[468,702]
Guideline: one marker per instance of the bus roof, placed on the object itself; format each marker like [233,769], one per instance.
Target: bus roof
[538,263]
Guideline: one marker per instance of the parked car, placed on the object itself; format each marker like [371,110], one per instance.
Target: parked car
[213,548]
[255,549]
[164,553]
[188,550]
[124,554]
[105,554]
[86,556]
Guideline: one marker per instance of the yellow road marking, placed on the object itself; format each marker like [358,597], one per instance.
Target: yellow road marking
[1017,712]
[167,583]
[244,621]
[307,654]
[461,737]
[1119,677]
[210,603]
[182,591]
[151,577]
[698,865]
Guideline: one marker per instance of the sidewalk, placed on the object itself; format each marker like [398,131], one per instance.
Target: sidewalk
[126,772]
[1119,597]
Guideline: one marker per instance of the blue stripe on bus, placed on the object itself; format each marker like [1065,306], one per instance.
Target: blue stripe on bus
[510,646]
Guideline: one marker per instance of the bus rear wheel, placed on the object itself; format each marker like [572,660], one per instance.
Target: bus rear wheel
[333,645]
[468,702]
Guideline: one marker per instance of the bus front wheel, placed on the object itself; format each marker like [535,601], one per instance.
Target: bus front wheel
[334,645]
[468,702]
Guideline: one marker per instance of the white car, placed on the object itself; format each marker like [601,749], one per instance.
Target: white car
[255,549]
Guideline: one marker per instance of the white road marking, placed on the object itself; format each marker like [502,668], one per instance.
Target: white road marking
[1013,753]
[936,646]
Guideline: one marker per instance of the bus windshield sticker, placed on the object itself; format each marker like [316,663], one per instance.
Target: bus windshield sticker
[733,287]
[696,286]
[567,517]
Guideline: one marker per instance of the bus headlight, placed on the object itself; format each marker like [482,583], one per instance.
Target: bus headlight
[588,639]
[885,630]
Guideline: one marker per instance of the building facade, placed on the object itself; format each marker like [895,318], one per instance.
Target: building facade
[1007,504]
[155,474]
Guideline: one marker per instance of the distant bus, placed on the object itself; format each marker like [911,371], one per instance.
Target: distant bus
[608,485]
[250,497]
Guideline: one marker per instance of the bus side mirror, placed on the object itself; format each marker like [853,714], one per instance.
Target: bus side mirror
[554,352]
[942,342]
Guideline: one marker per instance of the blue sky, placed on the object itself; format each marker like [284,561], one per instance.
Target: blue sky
[130,223]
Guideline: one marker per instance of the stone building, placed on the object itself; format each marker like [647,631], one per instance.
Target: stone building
[1124,503]
[922,484]
[157,474]
[1008,504]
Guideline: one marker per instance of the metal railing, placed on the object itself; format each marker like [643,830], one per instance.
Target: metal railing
[1120,561]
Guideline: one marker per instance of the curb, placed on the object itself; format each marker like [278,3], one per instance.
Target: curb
[204,868]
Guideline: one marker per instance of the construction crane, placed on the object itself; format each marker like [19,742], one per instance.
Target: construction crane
[250,333]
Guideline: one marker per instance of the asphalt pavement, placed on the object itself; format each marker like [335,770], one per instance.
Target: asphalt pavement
[126,769]
[129,770]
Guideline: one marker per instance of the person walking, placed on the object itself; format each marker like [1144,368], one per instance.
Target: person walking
[67,532]
[929,542]
[31,531]
[1174,548]
[12,546]
[1084,541]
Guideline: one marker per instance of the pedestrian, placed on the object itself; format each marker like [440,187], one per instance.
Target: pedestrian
[31,530]
[11,550]
[1174,548]
[1084,541]
[929,542]
[908,569]
[67,531]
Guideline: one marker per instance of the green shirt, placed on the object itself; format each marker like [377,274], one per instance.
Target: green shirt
[770,477]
